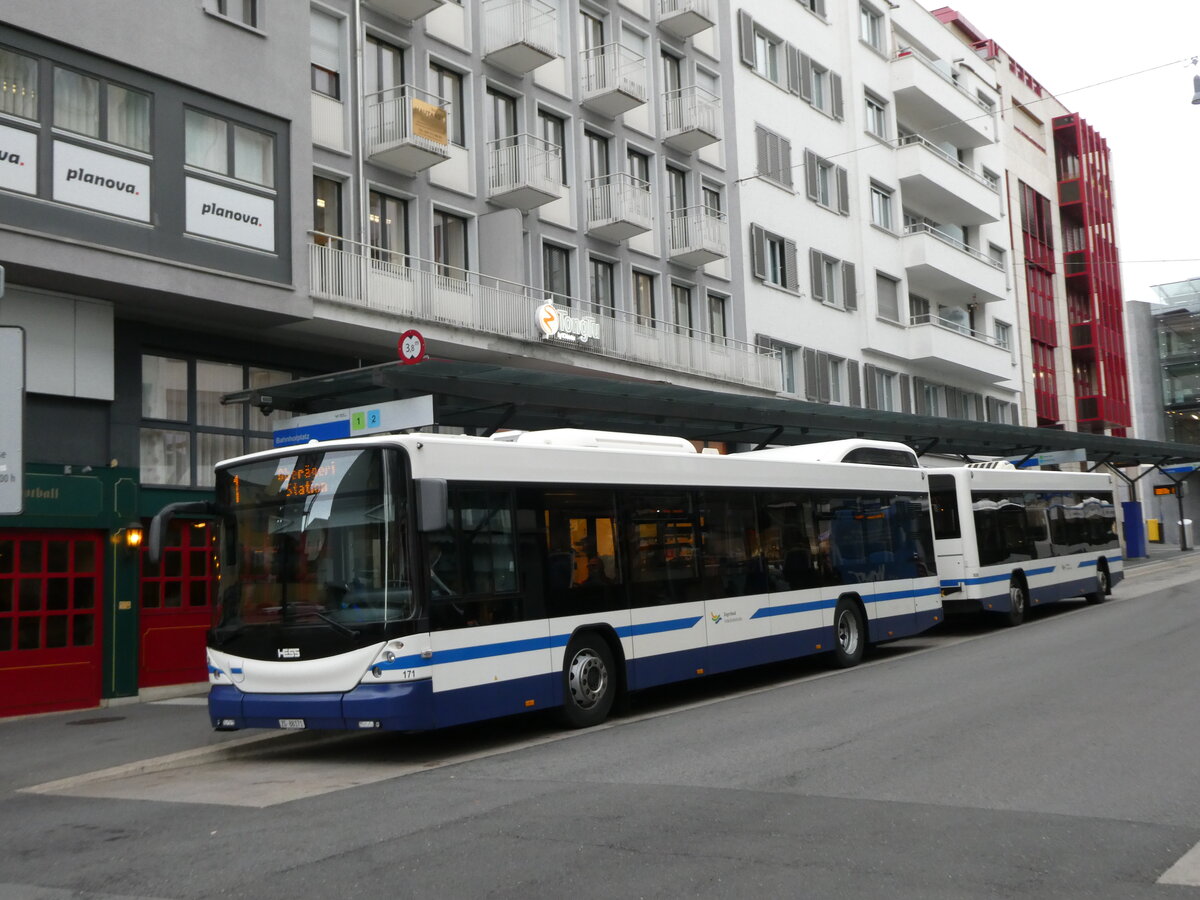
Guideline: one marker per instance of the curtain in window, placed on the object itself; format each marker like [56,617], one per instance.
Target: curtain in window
[213,380]
[252,156]
[206,142]
[164,388]
[76,102]
[128,118]
[18,85]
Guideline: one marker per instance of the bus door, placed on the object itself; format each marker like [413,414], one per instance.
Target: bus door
[947,530]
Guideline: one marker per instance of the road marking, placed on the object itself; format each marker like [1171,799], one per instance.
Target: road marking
[181,701]
[1186,870]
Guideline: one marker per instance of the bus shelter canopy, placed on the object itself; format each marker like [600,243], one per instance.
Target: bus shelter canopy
[486,397]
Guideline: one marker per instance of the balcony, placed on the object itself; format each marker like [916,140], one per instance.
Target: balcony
[612,79]
[408,10]
[953,351]
[393,291]
[519,35]
[684,18]
[691,118]
[406,129]
[934,103]
[941,266]
[328,122]
[618,207]
[699,235]
[524,172]
[938,184]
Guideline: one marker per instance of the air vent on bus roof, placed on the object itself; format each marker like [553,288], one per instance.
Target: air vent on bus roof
[602,440]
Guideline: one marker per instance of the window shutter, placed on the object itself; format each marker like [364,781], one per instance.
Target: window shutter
[785,161]
[791,275]
[762,141]
[793,69]
[872,388]
[810,374]
[919,396]
[905,394]
[746,33]
[843,188]
[839,111]
[818,281]
[850,286]
[758,252]
[823,377]
[810,174]
[805,78]
[953,403]
[855,398]
[820,9]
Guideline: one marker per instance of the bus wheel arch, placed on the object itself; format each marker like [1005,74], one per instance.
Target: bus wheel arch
[1018,599]
[849,631]
[592,676]
[1103,583]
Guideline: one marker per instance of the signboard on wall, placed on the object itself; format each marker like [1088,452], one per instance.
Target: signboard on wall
[18,160]
[100,181]
[429,122]
[12,420]
[227,214]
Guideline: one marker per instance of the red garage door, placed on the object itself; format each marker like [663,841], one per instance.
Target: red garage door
[50,597]
[176,604]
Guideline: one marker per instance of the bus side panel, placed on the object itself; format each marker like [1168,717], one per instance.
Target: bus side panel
[737,639]
[801,622]
[487,701]
[669,643]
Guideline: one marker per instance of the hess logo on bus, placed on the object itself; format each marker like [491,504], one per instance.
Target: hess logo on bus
[288,653]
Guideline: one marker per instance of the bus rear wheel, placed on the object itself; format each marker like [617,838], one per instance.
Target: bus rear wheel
[589,685]
[1103,587]
[849,635]
[1018,602]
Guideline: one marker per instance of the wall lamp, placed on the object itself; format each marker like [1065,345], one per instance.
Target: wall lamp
[131,535]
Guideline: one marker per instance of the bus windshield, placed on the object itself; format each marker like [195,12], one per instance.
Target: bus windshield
[315,539]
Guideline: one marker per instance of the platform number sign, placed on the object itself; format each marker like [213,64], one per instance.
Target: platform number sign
[411,347]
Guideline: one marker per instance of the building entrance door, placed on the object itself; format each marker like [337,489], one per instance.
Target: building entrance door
[176,606]
[50,622]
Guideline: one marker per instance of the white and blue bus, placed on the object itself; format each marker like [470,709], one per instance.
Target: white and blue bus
[417,581]
[1007,539]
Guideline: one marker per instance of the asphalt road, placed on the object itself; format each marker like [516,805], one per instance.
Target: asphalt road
[1058,759]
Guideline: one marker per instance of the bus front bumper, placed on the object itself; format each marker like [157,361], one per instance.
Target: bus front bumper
[392,707]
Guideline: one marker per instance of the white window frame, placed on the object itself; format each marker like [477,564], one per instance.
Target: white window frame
[870,27]
[876,115]
[882,207]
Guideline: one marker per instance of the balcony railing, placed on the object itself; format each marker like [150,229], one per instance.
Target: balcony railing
[684,18]
[916,139]
[519,35]
[612,78]
[699,235]
[524,171]
[619,206]
[407,128]
[958,328]
[328,122]
[923,228]
[910,53]
[692,118]
[412,290]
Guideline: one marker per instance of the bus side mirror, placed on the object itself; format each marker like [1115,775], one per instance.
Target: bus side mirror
[432,504]
[158,525]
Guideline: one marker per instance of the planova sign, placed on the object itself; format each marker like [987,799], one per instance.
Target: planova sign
[18,160]
[99,181]
[226,214]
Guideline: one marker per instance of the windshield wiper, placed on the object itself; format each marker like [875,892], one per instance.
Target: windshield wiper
[344,629]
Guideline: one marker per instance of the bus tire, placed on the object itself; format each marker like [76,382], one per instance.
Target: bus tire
[1018,603]
[1103,586]
[589,681]
[849,634]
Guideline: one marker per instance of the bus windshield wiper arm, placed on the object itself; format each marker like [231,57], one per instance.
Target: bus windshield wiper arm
[344,629]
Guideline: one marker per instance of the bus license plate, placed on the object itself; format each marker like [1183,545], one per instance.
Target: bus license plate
[291,723]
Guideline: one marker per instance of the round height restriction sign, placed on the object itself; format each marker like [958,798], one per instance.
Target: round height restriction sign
[411,347]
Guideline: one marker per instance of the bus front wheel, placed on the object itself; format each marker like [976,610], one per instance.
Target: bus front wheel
[1018,602]
[589,683]
[849,635]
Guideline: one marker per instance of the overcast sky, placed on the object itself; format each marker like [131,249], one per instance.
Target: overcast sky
[1152,128]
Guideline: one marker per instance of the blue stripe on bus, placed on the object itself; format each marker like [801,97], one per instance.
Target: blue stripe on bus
[529,645]
[991,579]
[788,609]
